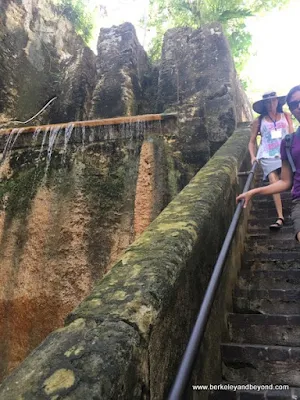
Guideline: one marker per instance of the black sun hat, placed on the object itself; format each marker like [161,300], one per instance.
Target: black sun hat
[258,106]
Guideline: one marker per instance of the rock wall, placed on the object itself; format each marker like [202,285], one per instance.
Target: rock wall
[65,220]
[122,64]
[41,56]
[68,226]
[197,79]
[77,79]
[126,339]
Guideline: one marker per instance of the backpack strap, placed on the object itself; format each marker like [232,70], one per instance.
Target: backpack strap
[288,144]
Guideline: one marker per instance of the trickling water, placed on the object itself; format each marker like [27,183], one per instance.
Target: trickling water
[43,143]
[54,132]
[9,141]
[35,135]
[16,137]
[129,131]
[111,133]
[68,133]
[106,132]
[83,138]
[91,135]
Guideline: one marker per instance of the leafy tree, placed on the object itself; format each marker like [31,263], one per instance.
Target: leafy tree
[75,11]
[166,14]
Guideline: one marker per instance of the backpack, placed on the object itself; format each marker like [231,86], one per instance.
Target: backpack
[288,139]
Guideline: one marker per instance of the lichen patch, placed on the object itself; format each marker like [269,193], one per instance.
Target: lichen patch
[61,379]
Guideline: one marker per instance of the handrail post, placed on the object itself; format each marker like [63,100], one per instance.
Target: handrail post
[190,355]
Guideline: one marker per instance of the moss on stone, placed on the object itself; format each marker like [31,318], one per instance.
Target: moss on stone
[172,173]
[108,184]
[74,351]
[29,171]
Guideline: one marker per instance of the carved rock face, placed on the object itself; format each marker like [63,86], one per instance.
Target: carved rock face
[40,54]
[197,78]
[122,64]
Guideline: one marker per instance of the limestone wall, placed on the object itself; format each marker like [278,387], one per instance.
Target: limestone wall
[67,212]
[122,65]
[40,57]
[126,339]
[197,78]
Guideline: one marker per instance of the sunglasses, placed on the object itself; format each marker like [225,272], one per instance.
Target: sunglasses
[267,95]
[294,104]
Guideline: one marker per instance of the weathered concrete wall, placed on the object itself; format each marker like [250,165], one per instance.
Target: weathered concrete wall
[197,78]
[126,339]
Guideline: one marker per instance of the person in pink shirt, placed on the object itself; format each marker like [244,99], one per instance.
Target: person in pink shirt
[272,124]
[288,179]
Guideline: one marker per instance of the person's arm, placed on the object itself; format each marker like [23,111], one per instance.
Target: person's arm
[252,142]
[290,122]
[283,184]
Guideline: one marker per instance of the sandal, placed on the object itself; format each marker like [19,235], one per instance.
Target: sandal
[277,225]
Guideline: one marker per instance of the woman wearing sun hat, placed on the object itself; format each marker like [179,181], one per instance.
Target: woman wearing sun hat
[273,124]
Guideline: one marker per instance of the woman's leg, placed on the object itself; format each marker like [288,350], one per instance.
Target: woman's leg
[273,177]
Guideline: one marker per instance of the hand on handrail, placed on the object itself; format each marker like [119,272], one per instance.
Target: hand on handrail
[246,197]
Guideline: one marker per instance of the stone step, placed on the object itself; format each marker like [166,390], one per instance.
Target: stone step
[269,198]
[265,221]
[275,244]
[266,329]
[272,256]
[268,301]
[269,213]
[276,279]
[264,229]
[270,210]
[266,265]
[269,236]
[263,204]
[261,364]
[290,394]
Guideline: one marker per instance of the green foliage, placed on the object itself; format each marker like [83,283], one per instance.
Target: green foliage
[82,20]
[166,14]
[240,41]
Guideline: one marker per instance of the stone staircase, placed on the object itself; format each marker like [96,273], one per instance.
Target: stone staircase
[263,345]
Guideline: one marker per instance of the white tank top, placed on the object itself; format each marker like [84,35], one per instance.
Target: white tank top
[271,136]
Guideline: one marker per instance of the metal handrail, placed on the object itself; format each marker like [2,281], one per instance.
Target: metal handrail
[189,358]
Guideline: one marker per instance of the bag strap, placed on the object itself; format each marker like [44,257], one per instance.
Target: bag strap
[288,144]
